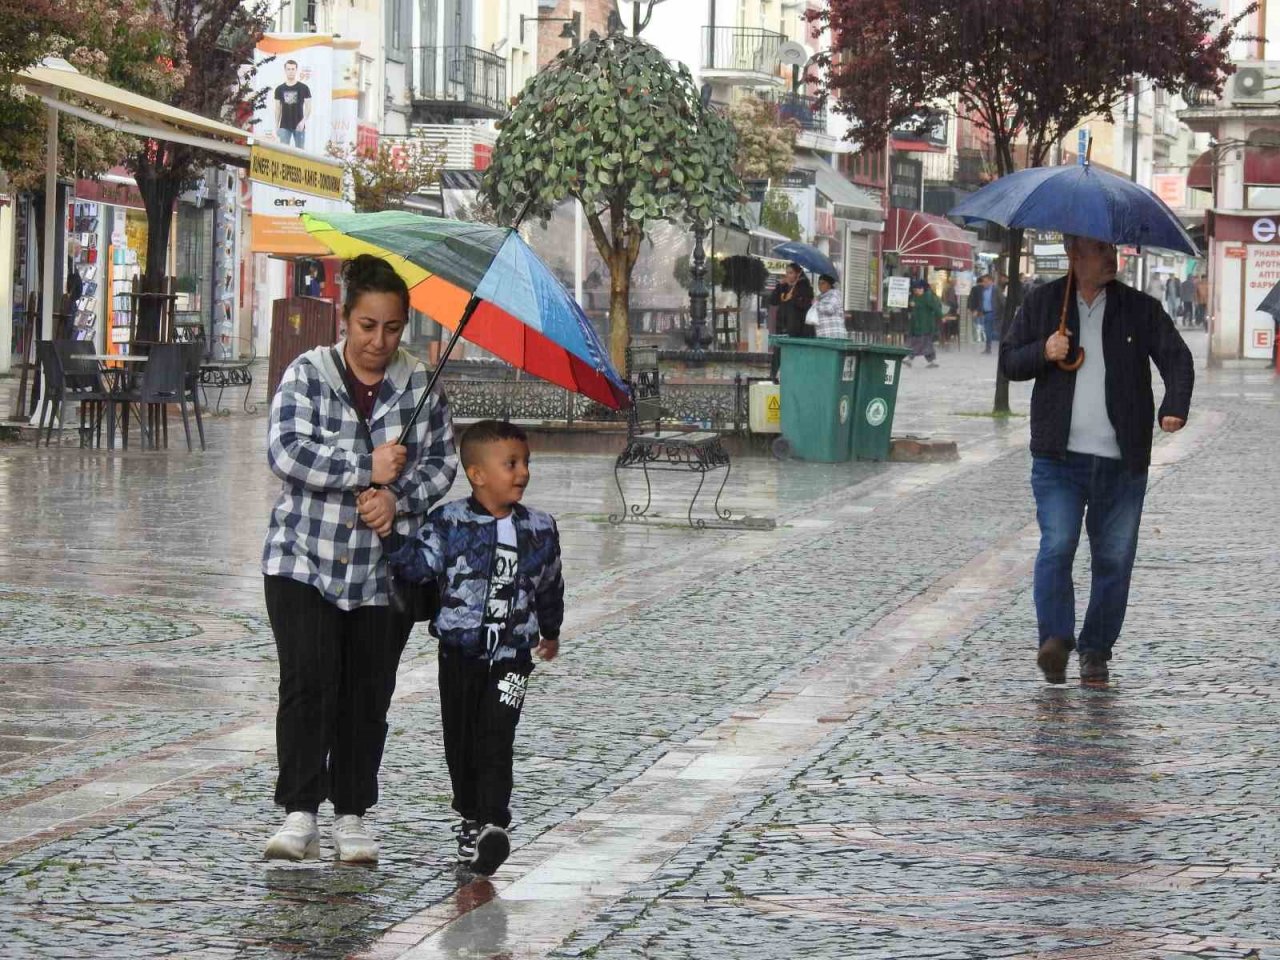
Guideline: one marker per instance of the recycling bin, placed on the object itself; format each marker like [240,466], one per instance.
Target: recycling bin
[817,379]
[877,372]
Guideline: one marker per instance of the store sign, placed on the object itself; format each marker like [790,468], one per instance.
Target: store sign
[291,172]
[1236,253]
[824,223]
[906,183]
[1262,272]
[1171,188]
[930,127]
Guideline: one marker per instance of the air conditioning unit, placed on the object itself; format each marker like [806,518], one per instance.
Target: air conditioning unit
[1255,82]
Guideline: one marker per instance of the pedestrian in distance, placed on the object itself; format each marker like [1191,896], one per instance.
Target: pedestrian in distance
[496,563]
[1187,314]
[793,296]
[922,325]
[826,316]
[1091,432]
[990,307]
[347,483]
[1172,295]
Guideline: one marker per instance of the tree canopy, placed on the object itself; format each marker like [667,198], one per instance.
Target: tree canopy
[766,140]
[615,126]
[382,178]
[1026,70]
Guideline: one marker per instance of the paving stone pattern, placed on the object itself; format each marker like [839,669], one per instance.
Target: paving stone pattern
[975,812]
[189,872]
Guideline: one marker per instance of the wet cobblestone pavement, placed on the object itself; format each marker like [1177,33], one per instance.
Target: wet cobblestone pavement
[954,806]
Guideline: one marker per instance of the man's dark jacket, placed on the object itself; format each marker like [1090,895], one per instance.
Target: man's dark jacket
[1135,330]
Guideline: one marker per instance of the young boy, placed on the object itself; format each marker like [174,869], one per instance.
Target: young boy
[497,565]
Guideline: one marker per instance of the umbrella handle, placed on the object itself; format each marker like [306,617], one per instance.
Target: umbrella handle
[1068,365]
[472,304]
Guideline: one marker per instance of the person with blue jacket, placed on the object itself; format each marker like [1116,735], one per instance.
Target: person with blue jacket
[496,564]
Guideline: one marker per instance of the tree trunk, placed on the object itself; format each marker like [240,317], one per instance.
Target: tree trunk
[159,197]
[619,308]
[1012,299]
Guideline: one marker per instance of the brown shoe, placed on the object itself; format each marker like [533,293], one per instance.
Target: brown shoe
[1093,667]
[1052,659]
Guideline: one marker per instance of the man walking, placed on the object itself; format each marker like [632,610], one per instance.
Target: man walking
[990,305]
[1091,442]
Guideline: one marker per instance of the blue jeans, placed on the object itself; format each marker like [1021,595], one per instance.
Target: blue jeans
[1108,499]
[299,137]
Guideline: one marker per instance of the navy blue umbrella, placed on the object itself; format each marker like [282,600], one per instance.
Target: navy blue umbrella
[1082,200]
[811,258]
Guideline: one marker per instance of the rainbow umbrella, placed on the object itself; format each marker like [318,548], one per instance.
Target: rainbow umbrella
[484,284]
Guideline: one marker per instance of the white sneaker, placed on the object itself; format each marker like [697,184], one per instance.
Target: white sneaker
[298,839]
[354,842]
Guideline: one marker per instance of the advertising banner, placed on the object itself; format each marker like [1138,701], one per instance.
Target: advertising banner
[1262,274]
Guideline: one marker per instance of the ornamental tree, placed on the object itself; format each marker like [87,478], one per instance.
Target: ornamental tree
[383,177]
[766,140]
[1027,71]
[615,126]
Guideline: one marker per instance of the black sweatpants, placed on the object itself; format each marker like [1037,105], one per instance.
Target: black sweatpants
[337,674]
[480,705]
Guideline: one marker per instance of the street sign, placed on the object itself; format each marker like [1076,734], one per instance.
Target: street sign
[1082,145]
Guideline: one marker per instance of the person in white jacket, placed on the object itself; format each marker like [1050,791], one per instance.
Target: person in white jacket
[826,315]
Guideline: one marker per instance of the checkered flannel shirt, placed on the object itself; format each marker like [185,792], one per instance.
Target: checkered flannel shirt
[316,446]
[830,316]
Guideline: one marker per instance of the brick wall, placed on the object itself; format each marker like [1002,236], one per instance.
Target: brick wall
[595,16]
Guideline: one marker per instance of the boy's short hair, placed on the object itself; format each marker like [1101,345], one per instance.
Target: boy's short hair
[487,431]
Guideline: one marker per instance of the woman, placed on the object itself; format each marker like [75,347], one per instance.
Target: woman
[334,425]
[793,296]
[826,318]
[926,311]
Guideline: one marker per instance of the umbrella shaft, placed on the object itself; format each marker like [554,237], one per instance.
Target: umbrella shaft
[435,374]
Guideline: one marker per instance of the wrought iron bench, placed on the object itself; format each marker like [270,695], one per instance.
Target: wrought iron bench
[225,374]
[659,451]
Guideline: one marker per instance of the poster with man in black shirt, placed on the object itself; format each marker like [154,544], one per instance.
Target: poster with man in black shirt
[293,107]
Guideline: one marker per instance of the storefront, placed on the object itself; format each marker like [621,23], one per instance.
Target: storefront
[1245,266]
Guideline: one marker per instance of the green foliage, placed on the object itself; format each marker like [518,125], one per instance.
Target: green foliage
[744,275]
[779,215]
[615,125]
[382,179]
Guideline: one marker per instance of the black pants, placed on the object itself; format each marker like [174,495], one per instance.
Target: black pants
[480,705]
[337,674]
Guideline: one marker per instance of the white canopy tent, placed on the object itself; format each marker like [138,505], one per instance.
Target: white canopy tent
[119,109]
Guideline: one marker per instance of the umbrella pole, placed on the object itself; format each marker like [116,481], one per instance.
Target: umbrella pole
[472,304]
[1068,365]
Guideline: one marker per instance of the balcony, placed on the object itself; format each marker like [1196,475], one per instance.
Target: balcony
[801,110]
[738,55]
[458,83]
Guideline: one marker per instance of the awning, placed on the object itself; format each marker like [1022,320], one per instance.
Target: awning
[850,202]
[141,115]
[922,239]
[1261,169]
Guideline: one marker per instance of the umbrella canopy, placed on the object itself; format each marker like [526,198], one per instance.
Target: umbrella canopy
[1271,302]
[1080,200]
[512,304]
[811,258]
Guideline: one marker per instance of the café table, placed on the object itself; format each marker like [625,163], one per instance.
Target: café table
[117,378]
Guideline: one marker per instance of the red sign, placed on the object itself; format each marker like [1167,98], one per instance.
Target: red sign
[481,156]
[1236,253]
[366,139]
[824,223]
[1262,339]
[105,191]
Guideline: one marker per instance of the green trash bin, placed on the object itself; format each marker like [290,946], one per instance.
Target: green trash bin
[817,380]
[875,399]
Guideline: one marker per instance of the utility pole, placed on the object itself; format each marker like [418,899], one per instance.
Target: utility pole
[1138,272]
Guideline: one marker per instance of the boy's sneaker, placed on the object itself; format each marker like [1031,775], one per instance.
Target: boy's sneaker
[354,841]
[298,839]
[493,846]
[467,831]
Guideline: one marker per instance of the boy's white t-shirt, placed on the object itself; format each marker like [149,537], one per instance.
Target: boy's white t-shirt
[502,585]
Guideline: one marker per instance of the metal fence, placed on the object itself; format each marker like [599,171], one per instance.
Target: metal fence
[716,406]
[464,75]
[740,48]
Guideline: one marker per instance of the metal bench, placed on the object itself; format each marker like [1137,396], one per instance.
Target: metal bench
[657,451]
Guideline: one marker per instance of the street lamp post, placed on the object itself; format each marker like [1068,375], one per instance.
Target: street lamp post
[698,338]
